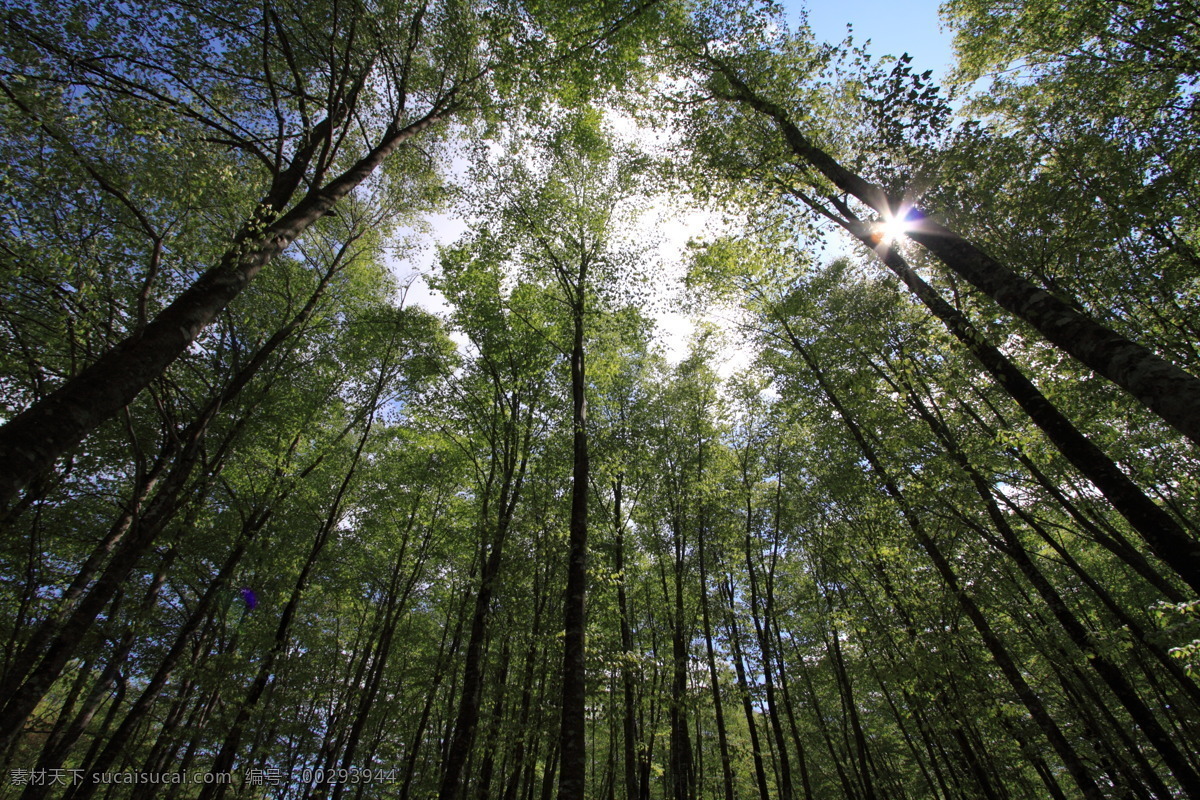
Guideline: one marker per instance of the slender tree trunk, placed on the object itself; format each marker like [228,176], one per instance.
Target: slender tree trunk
[521,762]
[58,746]
[1135,628]
[913,703]
[70,725]
[487,767]
[185,706]
[1159,529]
[790,710]
[396,606]
[648,718]
[223,762]
[1099,530]
[204,607]
[1110,673]
[848,788]
[574,691]
[446,654]
[846,689]
[1111,735]
[680,765]
[771,632]
[931,781]
[743,685]
[61,639]
[363,650]
[58,636]
[718,710]
[512,467]
[52,644]
[765,650]
[1012,673]
[628,695]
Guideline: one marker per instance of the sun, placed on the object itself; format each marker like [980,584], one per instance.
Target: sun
[892,227]
[895,227]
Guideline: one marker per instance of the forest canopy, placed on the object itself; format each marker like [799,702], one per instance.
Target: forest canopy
[914,512]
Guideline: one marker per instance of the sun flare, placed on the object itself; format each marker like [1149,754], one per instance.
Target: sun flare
[895,227]
[891,228]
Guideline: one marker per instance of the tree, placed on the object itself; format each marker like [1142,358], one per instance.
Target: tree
[1161,386]
[347,87]
[508,379]
[556,214]
[853,543]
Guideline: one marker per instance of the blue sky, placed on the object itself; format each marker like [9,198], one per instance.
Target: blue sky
[893,26]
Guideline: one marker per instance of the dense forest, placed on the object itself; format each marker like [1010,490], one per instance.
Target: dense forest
[914,512]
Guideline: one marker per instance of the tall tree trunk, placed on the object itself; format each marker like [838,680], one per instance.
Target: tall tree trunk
[572,773]
[61,638]
[224,760]
[848,788]
[59,745]
[846,689]
[771,628]
[446,654]
[395,606]
[718,710]
[1100,531]
[1112,675]
[512,460]
[522,762]
[765,650]
[743,685]
[54,642]
[1159,529]
[1135,628]
[487,767]
[202,611]
[681,771]
[1162,387]
[931,781]
[1003,659]
[790,710]
[1111,735]
[33,440]
[628,696]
